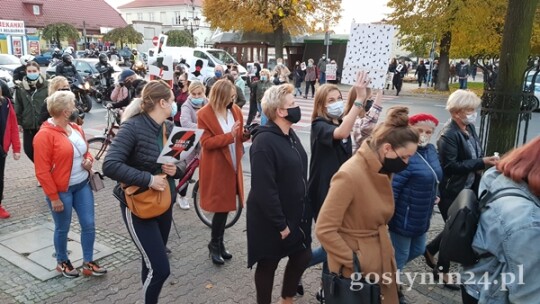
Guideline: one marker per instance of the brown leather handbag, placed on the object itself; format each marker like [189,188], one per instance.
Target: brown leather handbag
[147,203]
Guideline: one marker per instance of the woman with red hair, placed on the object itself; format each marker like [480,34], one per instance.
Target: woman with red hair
[508,232]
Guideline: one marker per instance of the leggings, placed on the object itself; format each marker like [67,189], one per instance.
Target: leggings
[434,246]
[150,237]
[312,85]
[266,268]
[28,138]
[218,224]
[253,108]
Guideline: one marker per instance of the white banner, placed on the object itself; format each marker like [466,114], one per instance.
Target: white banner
[331,71]
[181,143]
[12,27]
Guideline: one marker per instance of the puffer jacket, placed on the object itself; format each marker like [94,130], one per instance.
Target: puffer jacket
[132,156]
[28,103]
[415,191]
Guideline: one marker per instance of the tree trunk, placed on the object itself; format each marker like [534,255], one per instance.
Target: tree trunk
[515,47]
[444,63]
[57,36]
[278,34]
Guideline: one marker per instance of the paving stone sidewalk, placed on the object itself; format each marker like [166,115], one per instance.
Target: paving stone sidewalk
[194,279]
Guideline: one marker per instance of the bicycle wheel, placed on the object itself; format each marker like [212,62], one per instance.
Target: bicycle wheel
[97,147]
[206,217]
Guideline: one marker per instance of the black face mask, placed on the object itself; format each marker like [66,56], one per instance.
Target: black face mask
[293,114]
[393,165]
[180,84]
[229,106]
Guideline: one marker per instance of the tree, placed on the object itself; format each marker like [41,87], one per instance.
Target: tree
[56,32]
[515,48]
[462,28]
[272,16]
[124,34]
[180,38]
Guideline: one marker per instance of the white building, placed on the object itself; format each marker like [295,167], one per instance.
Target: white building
[152,17]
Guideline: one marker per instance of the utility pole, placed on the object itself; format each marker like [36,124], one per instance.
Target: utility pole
[84,33]
[327,41]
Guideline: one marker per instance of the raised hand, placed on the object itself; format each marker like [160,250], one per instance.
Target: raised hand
[361,85]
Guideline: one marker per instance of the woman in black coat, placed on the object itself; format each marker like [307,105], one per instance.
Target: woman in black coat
[276,216]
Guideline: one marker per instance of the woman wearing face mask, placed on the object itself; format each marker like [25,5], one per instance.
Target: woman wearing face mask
[311,78]
[276,215]
[132,160]
[330,143]
[359,205]
[188,119]
[62,167]
[30,95]
[415,193]
[181,94]
[220,176]
[58,83]
[462,160]
[259,87]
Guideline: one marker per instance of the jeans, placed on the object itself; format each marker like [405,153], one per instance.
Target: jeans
[80,198]
[407,248]
[318,255]
[463,83]
[322,78]
[298,91]
[264,119]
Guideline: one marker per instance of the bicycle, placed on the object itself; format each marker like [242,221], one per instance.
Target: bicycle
[204,216]
[98,145]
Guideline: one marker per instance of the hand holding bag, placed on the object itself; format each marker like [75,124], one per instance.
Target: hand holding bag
[341,290]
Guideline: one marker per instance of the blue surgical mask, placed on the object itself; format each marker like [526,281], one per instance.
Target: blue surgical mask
[174,109]
[263,78]
[197,101]
[335,110]
[218,74]
[32,76]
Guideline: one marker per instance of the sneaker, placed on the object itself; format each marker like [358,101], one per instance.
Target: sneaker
[93,269]
[3,213]
[183,202]
[67,269]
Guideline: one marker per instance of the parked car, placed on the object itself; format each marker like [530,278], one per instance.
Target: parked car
[8,78]
[528,82]
[9,62]
[44,59]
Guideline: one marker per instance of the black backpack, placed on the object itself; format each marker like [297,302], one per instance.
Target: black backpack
[462,222]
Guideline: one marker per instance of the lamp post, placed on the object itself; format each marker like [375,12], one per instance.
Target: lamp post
[192,24]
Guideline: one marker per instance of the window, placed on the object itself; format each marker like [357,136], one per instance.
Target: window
[140,16]
[150,16]
[177,18]
[128,17]
[202,55]
[36,9]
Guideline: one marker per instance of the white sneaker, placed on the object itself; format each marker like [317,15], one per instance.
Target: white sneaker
[182,202]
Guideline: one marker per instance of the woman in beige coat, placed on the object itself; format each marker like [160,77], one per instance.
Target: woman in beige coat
[360,204]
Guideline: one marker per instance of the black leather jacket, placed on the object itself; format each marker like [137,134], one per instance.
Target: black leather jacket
[457,160]
[105,69]
[68,71]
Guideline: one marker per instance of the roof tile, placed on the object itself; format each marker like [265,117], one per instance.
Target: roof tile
[161,3]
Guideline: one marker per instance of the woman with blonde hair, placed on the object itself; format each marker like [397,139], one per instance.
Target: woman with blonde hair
[62,165]
[132,160]
[220,176]
[359,205]
[58,83]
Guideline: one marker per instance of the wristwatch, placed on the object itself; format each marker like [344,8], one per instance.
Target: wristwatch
[359,103]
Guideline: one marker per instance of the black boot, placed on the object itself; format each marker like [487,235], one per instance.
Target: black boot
[215,253]
[224,253]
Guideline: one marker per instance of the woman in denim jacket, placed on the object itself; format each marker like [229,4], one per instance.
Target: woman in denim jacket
[508,233]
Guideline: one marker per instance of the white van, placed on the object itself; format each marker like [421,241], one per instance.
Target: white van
[210,57]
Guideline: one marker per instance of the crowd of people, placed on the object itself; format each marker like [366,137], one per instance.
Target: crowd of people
[368,190]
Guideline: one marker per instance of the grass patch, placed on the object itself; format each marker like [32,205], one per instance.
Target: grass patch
[476,87]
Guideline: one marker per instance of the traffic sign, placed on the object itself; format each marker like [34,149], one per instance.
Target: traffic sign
[155,40]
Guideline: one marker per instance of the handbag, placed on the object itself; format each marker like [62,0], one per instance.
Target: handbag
[146,202]
[96,181]
[341,290]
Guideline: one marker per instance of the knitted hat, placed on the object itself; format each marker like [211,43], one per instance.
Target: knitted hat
[125,74]
[424,118]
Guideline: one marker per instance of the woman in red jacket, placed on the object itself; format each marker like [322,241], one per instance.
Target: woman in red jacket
[9,135]
[62,164]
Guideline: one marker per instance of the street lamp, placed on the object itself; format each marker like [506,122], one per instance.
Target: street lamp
[192,24]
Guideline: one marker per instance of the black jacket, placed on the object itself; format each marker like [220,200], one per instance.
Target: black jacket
[457,161]
[278,195]
[19,73]
[68,71]
[421,70]
[132,156]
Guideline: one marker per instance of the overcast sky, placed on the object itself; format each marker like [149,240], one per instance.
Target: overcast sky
[361,11]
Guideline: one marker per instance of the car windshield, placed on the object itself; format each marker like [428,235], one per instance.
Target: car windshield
[9,59]
[222,56]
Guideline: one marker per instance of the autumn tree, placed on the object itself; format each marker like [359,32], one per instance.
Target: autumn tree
[56,32]
[180,38]
[272,16]
[124,35]
[515,48]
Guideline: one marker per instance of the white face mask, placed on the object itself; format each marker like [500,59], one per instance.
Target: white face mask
[335,110]
[424,140]
[470,119]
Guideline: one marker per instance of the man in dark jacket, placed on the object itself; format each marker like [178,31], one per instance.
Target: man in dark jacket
[218,74]
[105,68]
[66,68]
[421,72]
[462,70]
